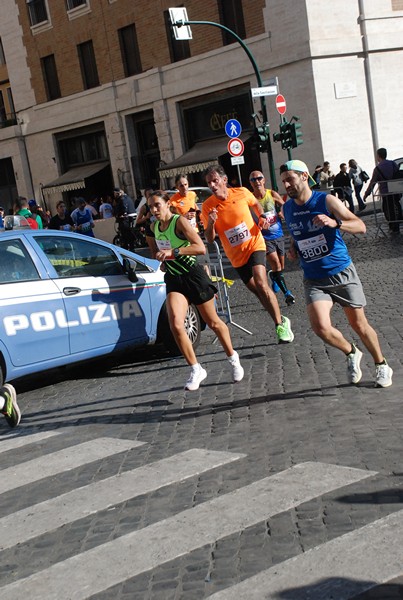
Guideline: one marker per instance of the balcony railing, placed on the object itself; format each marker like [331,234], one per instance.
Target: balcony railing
[7,120]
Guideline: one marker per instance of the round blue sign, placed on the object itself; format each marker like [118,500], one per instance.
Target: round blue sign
[233,128]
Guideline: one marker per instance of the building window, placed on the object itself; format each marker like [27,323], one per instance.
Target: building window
[91,147]
[7,111]
[10,102]
[129,49]
[88,65]
[3,112]
[38,12]
[50,77]
[2,57]
[178,49]
[75,3]
[231,16]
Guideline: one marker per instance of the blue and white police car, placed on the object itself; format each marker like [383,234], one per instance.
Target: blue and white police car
[65,298]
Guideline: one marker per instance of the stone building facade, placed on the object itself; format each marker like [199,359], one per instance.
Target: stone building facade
[104,96]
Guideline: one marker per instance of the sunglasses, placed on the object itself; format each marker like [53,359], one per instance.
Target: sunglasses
[256,178]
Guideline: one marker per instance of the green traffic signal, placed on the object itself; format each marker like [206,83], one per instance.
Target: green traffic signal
[262,137]
[296,135]
[285,129]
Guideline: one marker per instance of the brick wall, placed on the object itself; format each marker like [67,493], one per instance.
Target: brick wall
[101,24]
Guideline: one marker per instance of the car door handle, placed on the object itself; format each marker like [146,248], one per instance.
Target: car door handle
[71,291]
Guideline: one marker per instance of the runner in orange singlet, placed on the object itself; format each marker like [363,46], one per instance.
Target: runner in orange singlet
[184,201]
[227,214]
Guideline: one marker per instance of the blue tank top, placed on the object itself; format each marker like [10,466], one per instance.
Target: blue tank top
[84,218]
[321,249]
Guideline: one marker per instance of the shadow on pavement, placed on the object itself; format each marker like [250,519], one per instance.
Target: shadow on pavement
[337,588]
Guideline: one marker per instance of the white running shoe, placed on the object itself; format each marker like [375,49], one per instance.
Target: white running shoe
[197,374]
[353,365]
[383,375]
[237,369]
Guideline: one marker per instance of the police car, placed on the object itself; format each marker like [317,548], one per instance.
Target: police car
[66,298]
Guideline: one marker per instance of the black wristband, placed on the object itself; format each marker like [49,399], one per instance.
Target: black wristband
[339,222]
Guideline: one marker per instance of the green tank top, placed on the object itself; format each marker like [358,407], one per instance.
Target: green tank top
[168,239]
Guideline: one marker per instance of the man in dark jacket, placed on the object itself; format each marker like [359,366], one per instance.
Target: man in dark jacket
[342,186]
[384,172]
[125,215]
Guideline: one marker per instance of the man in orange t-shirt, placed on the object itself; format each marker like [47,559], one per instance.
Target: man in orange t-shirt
[227,214]
[184,201]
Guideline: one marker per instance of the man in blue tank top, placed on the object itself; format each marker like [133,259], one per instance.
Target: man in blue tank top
[315,220]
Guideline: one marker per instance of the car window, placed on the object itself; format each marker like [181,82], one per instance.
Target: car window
[139,266]
[79,258]
[15,263]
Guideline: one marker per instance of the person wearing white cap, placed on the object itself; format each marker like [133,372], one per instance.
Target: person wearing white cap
[315,220]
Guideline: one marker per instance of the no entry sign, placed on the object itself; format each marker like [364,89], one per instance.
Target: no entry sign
[281,104]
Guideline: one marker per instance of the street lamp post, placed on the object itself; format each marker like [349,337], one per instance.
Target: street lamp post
[181,23]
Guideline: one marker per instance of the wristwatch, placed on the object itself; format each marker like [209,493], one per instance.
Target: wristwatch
[339,222]
[176,252]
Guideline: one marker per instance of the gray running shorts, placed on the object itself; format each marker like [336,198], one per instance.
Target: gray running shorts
[345,288]
[276,245]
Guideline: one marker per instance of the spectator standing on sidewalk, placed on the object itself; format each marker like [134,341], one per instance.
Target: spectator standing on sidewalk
[227,214]
[272,232]
[61,221]
[105,208]
[358,178]
[342,186]
[315,219]
[384,172]
[326,176]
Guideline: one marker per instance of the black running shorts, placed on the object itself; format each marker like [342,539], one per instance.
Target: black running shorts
[196,285]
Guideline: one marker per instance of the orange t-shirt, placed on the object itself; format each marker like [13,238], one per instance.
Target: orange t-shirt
[238,232]
[182,204]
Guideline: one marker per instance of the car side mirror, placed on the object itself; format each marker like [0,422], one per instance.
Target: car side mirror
[129,269]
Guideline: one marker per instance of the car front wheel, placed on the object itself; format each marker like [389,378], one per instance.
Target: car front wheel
[192,327]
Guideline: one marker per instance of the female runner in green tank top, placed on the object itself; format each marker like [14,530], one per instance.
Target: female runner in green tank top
[176,245]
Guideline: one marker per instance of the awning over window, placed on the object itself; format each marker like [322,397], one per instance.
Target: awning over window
[74,179]
[199,157]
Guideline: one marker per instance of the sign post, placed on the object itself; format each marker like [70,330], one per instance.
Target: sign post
[265,119]
[235,146]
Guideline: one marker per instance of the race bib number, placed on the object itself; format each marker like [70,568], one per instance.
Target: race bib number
[313,248]
[85,226]
[163,244]
[271,216]
[238,235]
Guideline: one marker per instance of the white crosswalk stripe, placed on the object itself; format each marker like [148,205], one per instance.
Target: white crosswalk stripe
[12,442]
[353,563]
[88,573]
[100,495]
[63,460]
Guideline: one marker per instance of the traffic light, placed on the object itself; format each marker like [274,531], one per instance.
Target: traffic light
[296,135]
[262,137]
[285,129]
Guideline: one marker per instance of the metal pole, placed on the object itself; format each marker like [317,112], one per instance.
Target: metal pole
[260,84]
[239,175]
